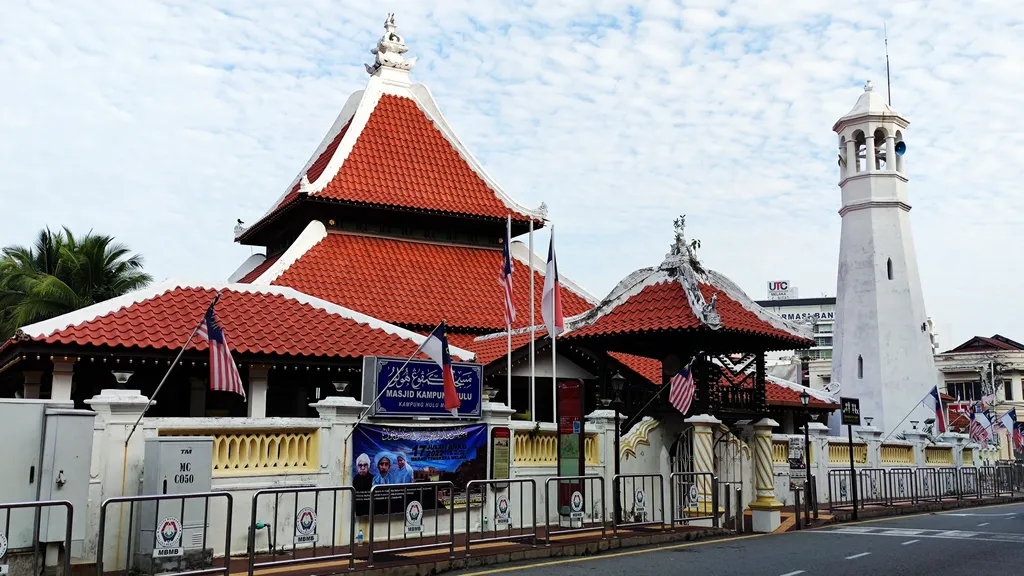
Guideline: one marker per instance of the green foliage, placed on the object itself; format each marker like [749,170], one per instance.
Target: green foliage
[61,273]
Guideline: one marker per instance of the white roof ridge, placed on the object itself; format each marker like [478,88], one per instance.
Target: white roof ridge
[342,120]
[311,235]
[247,266]
[820,395]
[107,307]
[420,94]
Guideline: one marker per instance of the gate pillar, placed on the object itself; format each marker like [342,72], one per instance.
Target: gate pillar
[766,509]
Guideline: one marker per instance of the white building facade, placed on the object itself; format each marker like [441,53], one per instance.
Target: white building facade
[882,344]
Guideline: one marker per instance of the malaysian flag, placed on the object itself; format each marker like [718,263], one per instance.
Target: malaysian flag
[1018,437]
[977,429]
[506,275]
[683,387]
[223,372]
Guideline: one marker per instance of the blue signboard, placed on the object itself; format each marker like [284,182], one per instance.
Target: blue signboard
[418,389]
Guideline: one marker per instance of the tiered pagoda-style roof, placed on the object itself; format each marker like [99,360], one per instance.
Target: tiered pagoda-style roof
[680,300]
[393,216]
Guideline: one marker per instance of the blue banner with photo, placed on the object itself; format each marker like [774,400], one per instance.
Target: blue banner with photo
[385,455]
[417,389]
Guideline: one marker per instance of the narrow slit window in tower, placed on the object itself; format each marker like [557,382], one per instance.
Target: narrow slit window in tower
[860,366]
[888,268]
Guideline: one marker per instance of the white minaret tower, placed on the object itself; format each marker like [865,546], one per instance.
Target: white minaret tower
[882,349]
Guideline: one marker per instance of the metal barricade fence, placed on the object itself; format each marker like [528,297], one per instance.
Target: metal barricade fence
[36,523]
[840,489]
[969,485]
[871,487]
[301,520]
[987,482]
[164,533]
[929,488]
[901,486]
[1004,479]
[413,511]
[949,483]
[503,517]
[637,504]
[570,505]
[688,497]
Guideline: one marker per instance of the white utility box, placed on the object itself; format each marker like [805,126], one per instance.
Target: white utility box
[48,457]
[176,465]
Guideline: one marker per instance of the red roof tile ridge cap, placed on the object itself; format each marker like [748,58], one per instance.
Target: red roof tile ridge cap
[628,287]
[723,283]
[100,309]
[339,124]
[521,252]
[420,94]
[516,332]
[364,109]
[311,235]
[818,394]
[248,265]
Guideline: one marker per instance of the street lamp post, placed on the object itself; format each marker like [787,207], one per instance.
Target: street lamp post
[805,399]
[617,384]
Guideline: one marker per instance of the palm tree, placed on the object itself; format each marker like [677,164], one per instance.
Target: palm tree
[61,273]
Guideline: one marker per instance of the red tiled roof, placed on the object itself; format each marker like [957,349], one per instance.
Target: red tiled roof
[663,306]
[260,269]
[316,169]
[401,159]
[416,283]
[649,368]
[256,323]
[492,349]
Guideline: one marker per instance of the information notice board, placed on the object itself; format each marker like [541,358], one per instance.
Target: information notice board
[570,441]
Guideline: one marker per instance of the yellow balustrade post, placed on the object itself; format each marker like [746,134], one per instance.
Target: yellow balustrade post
[703,461]
[766,507]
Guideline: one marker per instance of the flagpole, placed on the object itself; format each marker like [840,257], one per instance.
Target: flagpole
[171,367]
[394,378]
[508,320]
[554,336]
[916,406]
[533,330]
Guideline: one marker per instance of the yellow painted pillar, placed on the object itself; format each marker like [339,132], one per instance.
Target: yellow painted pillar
[703,461]
[766,507]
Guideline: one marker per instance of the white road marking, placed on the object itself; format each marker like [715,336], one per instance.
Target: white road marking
[965,514]
[983,524]
[1015,537]
[855,556]
[909,542]
[794,573]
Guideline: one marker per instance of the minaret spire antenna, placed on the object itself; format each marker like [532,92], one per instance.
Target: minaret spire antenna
[888,81]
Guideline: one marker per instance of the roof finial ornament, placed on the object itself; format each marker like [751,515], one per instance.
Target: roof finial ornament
[868,86]
[390,49]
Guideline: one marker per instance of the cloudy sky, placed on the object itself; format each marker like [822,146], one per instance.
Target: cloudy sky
[161,122]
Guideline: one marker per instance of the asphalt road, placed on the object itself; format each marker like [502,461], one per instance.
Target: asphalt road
[963,542]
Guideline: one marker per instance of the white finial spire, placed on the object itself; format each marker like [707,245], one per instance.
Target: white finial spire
[868,86]
[390,49]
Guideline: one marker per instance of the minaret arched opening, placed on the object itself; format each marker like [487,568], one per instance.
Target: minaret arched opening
[880,151]
[860,143]
[860,366]
[888,268]
[843,160]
